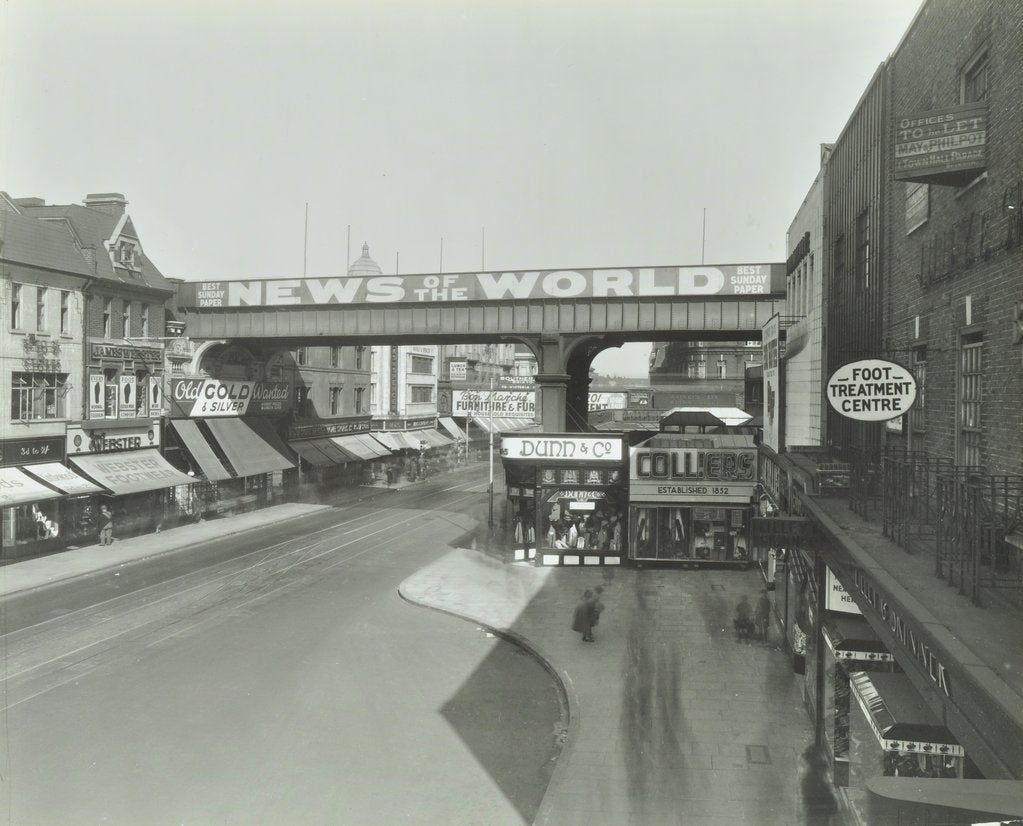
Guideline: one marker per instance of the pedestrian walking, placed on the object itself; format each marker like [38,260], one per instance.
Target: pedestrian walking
[743,618]
[582,619]
[598,605]
[763,614]
[106,526]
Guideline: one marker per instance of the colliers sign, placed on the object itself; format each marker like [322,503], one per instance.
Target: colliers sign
[871,390]
[637,282]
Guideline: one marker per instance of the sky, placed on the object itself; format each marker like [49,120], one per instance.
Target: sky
[270,139]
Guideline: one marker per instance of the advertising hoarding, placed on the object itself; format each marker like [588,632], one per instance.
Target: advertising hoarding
[196,397]
[510,404]
[634,282]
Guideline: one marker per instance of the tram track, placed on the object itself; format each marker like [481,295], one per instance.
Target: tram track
[57,651]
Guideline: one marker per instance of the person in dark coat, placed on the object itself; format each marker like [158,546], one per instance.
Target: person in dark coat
[744,618]
[763,614]
[582,619]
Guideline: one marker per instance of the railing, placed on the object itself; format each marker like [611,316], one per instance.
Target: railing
[865,485]
[977,514]
[910,498]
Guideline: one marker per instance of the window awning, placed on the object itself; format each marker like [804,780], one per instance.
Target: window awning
[248,451]
[131,471]
[900,719]
[322,452]
[17,488]
[452,427]
[371,444]
[396,439]
[434,438]
[200,449]
[355,446]
[62,478]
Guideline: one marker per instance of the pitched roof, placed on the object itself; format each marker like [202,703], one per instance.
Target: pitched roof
[92,228]
[36,243]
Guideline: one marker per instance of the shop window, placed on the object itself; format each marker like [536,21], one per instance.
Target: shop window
[38,396]
[583,521]
[65,312]
[36,522]
[971,394]
[142,390]
[110,386]
[15,306]
[108,305]
[682,532]
[41,308]
[420,394]
[421,365]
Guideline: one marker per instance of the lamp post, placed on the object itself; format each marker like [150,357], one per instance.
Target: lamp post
[490,427]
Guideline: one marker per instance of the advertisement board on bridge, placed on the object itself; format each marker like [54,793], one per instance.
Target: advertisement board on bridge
[634,282]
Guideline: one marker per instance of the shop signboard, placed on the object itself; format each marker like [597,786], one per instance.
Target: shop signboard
[510,404]
[30,451]
[871,390]
[128,353]
[487,287]
[663,474]
[457,370]
[78,440]
[332,428]
[942,146]
[550,447]
[608,401]
[837,598]
[199,397]
[97,395]
[126,396]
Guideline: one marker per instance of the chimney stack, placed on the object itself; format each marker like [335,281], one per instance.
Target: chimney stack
[112,203]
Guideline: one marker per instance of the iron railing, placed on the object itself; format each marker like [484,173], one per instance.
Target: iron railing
[910,498]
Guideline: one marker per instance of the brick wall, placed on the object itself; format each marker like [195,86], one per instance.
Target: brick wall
[971,244]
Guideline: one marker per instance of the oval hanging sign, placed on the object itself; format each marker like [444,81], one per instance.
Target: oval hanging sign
[871,390]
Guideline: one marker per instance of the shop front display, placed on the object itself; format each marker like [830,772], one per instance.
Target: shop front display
[573,487]
[689,499]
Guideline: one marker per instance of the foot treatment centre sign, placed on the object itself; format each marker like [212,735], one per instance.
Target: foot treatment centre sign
[871,390]
[637,282]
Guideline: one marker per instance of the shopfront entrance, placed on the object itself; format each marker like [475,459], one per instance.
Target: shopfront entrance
[690,499]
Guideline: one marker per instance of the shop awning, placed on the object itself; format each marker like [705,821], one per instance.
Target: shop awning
[200,449]
[248,451]
[434,438]
[898,715]
[131,471]
[322,452]
[396,439]
[452,427]
[63,478]
[371,444]
[17,488]
[354,446]
[852,638]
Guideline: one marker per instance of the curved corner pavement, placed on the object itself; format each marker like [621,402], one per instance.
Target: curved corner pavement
[671,720]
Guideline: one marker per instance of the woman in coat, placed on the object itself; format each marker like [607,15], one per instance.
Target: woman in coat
[582,619]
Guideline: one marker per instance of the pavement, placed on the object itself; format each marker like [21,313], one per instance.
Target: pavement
[670,718]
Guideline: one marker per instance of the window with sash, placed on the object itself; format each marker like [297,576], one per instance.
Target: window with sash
[38,396]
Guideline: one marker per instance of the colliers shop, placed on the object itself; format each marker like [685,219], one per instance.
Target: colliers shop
[690,498]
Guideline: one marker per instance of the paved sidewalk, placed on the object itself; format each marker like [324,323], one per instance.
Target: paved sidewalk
[671,720]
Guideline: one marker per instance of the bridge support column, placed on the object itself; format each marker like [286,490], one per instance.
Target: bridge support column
[552,392]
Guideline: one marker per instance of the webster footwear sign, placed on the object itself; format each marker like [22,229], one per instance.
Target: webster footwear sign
[635,282]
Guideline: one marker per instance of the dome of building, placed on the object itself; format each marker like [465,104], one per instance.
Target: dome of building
[365,265]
